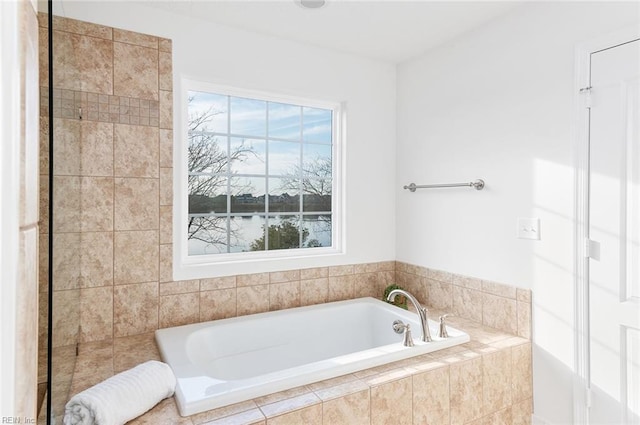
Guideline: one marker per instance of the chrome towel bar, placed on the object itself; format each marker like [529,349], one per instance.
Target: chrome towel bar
[477,184]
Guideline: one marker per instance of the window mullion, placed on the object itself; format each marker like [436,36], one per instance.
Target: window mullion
[228,174]
[266,183]
[300,176]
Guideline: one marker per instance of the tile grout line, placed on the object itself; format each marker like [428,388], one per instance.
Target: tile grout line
[113,220]
[113,233]
[159,298]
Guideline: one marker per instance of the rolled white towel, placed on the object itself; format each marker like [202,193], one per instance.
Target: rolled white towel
[122,397]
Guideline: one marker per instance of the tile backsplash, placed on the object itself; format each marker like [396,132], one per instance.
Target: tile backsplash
[493,304]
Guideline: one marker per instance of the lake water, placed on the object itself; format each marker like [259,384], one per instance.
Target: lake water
[248,229]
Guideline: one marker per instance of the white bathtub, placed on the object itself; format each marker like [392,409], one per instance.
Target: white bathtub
[232,360]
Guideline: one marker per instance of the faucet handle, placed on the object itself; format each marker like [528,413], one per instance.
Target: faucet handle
[400,327]
[408,339]
[442,333]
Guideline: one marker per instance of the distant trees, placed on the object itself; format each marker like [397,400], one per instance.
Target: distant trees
[285,235]
[315,179]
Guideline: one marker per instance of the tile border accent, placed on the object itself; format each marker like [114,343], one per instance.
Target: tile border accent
[101,107]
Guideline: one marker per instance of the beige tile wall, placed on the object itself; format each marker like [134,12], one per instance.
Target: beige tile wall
[108,87]
[109,181]
[493,304]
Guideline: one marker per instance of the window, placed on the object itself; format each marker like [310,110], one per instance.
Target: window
[261,175]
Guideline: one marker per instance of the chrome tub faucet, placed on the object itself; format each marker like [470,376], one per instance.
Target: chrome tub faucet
[422,311]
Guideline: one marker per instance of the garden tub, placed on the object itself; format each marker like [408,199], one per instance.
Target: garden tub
[227,361]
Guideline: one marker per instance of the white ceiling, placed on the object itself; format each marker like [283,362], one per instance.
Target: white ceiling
[389,30]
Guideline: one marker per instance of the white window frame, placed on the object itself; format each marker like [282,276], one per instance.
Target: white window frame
[187,267]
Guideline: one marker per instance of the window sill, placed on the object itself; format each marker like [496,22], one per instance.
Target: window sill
[201,267]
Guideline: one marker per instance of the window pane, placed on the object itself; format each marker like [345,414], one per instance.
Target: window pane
[284,158]
[247,233]
[247,191]
[248,194]
[284,232]
[248,156]
[208,112]
[284,121]
[316,161]
[207,194]
[248,117]
[207,153]
[207,235]
[316,125]
[284,195]
[318,229]
[316,195]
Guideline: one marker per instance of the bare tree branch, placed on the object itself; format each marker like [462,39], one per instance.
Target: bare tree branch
[209,167]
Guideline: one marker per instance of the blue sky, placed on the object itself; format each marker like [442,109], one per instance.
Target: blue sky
[249,117]
[285,121]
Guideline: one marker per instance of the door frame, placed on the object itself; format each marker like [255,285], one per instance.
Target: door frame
[582,80]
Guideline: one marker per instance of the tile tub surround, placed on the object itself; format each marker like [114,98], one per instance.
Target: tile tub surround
[257,355]
[493,304]
[484,382]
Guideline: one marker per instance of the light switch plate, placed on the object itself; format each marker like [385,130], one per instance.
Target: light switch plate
[528,228]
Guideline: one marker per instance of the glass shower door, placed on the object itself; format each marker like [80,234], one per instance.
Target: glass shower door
[61,199]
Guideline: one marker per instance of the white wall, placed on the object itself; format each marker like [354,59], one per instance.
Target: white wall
[19,211]
[210,52]
[10,117]
[497,104]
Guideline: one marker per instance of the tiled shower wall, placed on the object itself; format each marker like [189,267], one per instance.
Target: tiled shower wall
[112,180]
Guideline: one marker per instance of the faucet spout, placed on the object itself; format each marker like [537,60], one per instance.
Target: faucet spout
[422,311]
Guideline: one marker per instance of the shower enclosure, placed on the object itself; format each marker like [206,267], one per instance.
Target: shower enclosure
[106,109]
